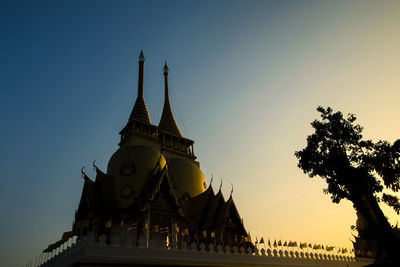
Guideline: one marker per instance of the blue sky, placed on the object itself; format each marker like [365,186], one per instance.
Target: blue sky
[245,79]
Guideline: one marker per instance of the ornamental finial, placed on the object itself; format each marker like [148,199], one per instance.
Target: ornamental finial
[166,69]
[141,56]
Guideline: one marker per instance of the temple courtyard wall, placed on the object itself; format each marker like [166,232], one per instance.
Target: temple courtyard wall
[122,252]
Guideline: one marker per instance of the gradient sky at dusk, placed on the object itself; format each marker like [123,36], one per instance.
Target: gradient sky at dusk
[245,80]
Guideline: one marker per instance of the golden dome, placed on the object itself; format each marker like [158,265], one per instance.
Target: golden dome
[186,176]
[131,166]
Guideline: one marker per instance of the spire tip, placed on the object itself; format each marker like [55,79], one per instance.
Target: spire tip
[166,69]
[141,56]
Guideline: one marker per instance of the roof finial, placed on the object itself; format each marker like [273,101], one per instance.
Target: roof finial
[220,186]
[83,173]
[166,69]
[94,165]
[141,56]
[231,189]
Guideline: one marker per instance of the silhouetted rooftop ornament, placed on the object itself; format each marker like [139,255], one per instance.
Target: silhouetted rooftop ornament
[82,172]
[166,69]
[167,122]
[94,165]
[141,56]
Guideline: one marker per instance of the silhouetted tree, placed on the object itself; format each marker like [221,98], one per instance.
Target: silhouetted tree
[353,169]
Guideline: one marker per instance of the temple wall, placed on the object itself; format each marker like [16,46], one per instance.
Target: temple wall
[121,251]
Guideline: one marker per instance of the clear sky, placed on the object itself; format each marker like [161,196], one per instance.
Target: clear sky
[245,79]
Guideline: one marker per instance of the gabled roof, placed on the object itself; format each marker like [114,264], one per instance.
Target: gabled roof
[105,187]
[98,196]
[90,200]
[211,212]
[214,208]
[196,208]
[154,186]
[92,195]
[222,214]
[232,212]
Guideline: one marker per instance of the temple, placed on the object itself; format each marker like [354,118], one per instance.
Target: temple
[152,207]
[154,188]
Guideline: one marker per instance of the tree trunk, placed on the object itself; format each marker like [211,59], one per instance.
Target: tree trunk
[387,241]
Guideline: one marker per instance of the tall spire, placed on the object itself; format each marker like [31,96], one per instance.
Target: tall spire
[167,122]
[139,111]
[141,74]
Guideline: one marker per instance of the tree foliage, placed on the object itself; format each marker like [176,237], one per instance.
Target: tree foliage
[355,169]
[337,153]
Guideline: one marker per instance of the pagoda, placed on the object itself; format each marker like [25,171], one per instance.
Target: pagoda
[153,189]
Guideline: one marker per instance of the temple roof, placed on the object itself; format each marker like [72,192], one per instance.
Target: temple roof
[211,212]
[197,206]
[90,200]
[206,212]
[214,208]
[98,196]
[167,121]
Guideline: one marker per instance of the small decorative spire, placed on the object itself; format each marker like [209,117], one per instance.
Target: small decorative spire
[166,69]
[141,56]
[231,190]
[220,186]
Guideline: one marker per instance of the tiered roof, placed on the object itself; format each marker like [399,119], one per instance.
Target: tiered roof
[210,212]
[206,212]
